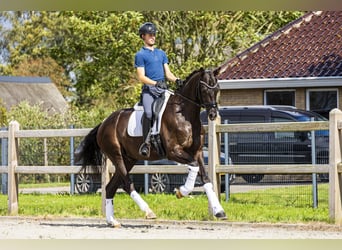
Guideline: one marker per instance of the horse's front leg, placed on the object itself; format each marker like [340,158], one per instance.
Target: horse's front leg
[213,200]
[189,184]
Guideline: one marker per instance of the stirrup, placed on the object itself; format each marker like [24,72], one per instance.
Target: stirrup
[144,149]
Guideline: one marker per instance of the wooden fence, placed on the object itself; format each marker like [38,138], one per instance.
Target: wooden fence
[214,128]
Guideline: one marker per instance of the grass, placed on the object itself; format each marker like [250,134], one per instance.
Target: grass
[278,206]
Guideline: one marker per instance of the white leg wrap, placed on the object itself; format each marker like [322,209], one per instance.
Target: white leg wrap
[189,185]
[110,213]
[212,198]
[140,202]
[109,210]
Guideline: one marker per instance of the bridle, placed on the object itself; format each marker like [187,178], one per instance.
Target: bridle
[199,95]
[203,104]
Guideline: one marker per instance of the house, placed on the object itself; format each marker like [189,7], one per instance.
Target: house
[298,65]
[34,90]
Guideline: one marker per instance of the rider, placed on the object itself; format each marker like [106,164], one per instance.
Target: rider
[152,68]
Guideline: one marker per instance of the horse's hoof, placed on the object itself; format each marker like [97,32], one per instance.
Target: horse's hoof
[178,193]
[221,215]
[114,224]
[150,215]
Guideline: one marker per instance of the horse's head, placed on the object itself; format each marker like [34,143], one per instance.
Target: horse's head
[207,92]
[201,89]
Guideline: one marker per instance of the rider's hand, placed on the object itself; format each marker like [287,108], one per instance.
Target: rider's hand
[179,82]
[161,84]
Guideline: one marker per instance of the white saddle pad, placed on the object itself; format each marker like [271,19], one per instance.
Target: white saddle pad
[134,123]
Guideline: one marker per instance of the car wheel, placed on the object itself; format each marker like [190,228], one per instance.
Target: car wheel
[160,183]
[84,184]
[253,178]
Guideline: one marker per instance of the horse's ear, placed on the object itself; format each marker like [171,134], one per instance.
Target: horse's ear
[217,71]
[202,70]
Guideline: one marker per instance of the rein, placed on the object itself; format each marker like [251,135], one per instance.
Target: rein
[188,99]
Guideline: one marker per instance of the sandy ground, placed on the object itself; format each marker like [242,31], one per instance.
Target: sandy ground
[87,228]
[90,228]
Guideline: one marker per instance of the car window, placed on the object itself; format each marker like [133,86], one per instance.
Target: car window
[253,118]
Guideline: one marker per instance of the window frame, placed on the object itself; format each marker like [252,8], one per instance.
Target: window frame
[308,91]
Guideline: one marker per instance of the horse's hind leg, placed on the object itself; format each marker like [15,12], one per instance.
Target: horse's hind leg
[129,188]
[122,169]
[111,189]
[149,214]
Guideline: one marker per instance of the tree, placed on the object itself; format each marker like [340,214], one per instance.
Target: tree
[207,38]
[96,48]
[3,114]
[44,66]
[26,46]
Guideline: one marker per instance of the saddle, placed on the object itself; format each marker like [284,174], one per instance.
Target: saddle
[134,124]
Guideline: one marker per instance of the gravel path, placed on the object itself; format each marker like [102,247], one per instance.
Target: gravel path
[89,228]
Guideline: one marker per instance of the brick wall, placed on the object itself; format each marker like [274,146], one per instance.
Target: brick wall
[256,97]
[241,97]
[300,98]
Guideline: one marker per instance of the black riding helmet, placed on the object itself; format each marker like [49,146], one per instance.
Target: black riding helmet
[147,28]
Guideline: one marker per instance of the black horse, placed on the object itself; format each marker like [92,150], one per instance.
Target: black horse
[182,137]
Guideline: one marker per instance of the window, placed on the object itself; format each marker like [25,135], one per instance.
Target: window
[280,97]
[322,101]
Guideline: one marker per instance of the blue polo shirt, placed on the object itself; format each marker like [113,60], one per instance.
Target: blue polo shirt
[152,61]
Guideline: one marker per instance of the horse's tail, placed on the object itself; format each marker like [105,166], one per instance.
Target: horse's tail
[88,153]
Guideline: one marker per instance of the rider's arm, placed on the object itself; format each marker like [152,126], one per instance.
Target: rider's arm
[144,79]
[169,75]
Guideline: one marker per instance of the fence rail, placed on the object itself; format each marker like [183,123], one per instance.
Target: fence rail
[214,128]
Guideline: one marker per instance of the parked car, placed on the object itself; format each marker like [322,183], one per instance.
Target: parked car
[272,147]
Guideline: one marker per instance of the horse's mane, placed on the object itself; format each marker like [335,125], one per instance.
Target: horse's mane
[189,77]
[194,72]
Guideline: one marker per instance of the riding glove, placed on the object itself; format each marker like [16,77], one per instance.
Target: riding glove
[179,82]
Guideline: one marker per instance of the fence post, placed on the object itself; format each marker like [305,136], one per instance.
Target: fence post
[72,163]
[12,164]
[335,209]
[214,154]
[4,159]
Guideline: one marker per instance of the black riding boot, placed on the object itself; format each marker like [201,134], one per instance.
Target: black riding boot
[144,149]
